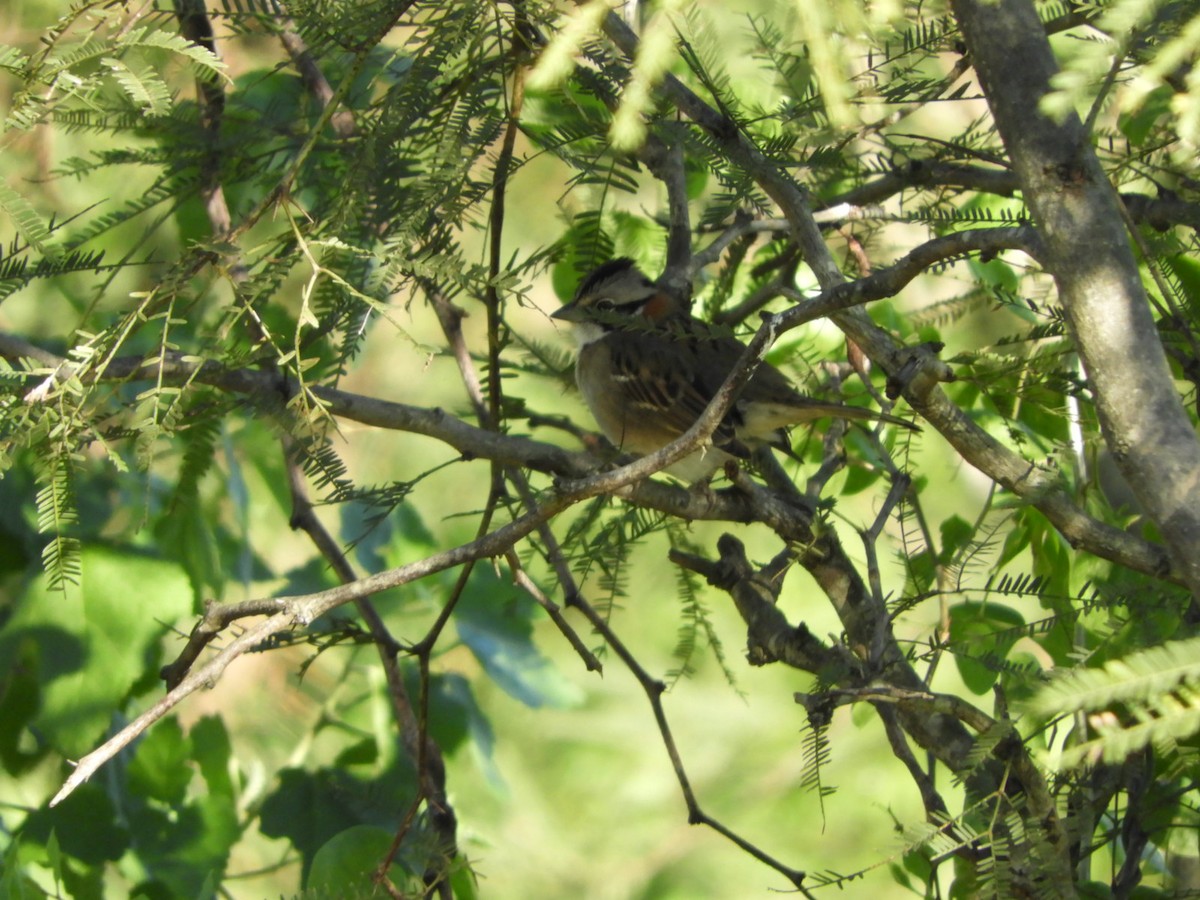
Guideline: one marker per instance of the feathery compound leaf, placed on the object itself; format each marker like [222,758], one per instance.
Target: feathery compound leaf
[817,753]
[27,221]
[143,86]
[558,59]
[1150,697]
[176,43]
[141,38]
[12,60]
[696,619]
[1137,677]
[655,55]
[1126,24]
[56,514]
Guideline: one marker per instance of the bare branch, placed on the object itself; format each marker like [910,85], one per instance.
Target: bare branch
[666,162]
[1160,213]
[301,610]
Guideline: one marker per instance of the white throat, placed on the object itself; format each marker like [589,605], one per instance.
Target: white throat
[587,333]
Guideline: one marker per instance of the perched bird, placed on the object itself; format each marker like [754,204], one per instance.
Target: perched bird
[647,370]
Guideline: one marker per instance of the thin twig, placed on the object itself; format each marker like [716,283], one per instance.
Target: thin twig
[301,610]
[935,807]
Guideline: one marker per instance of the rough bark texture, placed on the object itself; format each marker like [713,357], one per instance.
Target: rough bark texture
[1088,252]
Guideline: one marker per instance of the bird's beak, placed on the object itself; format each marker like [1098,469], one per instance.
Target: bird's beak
[569,313]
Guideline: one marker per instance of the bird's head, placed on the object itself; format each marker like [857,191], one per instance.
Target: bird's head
[616,295]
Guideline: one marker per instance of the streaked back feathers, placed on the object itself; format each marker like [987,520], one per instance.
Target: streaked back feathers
[647,370]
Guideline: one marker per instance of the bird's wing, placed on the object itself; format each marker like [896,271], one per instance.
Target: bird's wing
[665,375]
[674,370]
[769,401]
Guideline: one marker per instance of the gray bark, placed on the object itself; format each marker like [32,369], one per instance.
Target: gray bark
[1088,252]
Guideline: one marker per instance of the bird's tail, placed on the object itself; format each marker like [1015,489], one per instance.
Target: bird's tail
[860,414]
[773,416]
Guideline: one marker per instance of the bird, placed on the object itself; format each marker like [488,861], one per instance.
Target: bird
[647,370]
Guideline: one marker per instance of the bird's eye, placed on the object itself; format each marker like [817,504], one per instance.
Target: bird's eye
[605,305]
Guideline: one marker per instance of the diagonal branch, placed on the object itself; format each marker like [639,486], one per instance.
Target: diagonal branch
[286,613]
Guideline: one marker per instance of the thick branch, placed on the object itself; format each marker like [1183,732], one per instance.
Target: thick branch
[1159,213]
[1089,254]
[770,637]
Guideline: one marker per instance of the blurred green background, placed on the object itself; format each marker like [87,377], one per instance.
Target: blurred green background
[559,777]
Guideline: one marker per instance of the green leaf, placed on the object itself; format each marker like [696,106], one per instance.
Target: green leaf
[362,753]
[15,884]
[55,858]
[557,60]
[656,53]
[85,825]
[26,220]
[1015,541]
[1151,697]
[981,635]
[186,534]
[1147,674]
[495,622]
[183,838]
[858,479]
[370,531]
[182,847]
[57,517]
[347,861]
[204,59]
[143,86]
[464,884]
[310,808]
[456,719]
[160,767]
[214,754]
[12,60]
[1139,123]
[95,641]
[19,700]
[1187,270]
[956,533]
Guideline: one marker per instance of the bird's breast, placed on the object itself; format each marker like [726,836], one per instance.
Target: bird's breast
[604,394]
[628,422]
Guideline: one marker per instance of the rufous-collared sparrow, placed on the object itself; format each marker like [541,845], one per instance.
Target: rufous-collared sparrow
[647,370]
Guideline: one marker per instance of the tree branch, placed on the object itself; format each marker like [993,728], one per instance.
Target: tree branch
[1160,213]
[1087,251]
[289,612]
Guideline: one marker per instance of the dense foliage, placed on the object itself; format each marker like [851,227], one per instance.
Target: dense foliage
[283,417]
